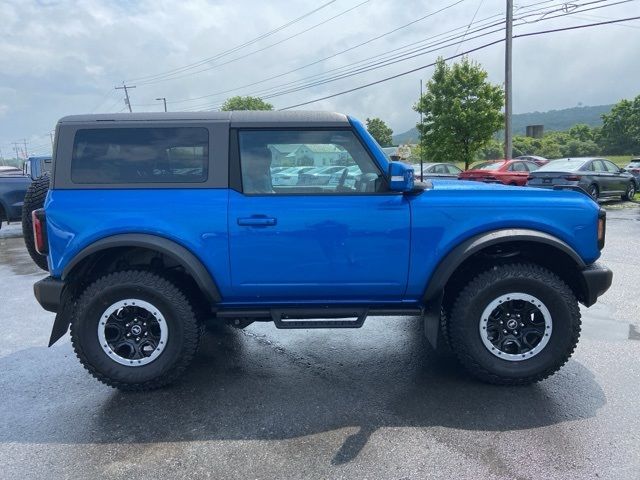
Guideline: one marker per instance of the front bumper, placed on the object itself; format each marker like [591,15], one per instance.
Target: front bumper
[596,279]
[48,292]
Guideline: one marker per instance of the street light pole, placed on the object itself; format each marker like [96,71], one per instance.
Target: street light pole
[164,100]
[508,87]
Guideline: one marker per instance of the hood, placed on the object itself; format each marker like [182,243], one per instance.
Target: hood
[470,186]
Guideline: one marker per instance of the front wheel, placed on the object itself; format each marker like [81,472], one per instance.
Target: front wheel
[134,330]
[514,324]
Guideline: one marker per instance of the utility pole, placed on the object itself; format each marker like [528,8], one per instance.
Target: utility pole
[15,148]
[51,136]
[165,102]
[508,86]
[26,154]
[124,87]
[421,152]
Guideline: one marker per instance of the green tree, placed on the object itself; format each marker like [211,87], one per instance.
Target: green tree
[581,132]
[462,111]
[245,103]
[620,133]
[380,131]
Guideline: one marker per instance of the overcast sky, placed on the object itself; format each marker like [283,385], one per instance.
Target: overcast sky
[62,57]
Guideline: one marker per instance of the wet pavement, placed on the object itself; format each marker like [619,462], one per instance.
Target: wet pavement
[369,403]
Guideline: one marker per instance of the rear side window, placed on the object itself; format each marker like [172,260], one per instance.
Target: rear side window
[140,155]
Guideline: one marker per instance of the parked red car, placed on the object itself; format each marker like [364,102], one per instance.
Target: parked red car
[509,172]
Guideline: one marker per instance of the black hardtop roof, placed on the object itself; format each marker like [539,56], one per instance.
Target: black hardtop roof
[235,118]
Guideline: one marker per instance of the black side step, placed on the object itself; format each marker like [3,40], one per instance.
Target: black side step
[319,317]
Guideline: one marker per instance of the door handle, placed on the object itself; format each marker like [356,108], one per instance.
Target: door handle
[256,221]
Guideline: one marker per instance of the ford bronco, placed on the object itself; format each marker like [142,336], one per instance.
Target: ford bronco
[156,224]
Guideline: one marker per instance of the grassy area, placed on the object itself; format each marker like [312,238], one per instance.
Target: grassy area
[620,160]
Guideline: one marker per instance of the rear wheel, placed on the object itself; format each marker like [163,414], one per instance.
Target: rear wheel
[630,192]
[594,192]
[134,330]
[33,200]
[514,324]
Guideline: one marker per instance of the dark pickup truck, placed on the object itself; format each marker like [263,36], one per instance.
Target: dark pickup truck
[14,184]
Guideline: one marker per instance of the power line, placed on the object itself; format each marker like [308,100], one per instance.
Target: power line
[377,62]
[528,6]
[325,58]
[467,52]
[171,77]
[469,26]
[237,47]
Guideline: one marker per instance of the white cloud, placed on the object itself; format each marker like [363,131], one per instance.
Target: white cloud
[63,57]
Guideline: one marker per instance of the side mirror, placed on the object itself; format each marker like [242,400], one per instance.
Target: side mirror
[400,177]
[623,170]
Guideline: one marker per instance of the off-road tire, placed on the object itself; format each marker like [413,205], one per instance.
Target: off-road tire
[463,323]
[183,327]
[33,200]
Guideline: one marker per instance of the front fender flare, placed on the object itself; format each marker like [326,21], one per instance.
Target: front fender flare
[432,296]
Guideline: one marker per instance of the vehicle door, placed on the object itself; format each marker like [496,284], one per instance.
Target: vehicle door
[347,241]
[518,173]
[605,181]
[618,181]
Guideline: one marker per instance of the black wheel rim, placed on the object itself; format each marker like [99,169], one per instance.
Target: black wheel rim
[132,332]
[515,326]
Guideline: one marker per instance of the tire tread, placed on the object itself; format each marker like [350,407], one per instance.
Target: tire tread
[533,271]
[191,325]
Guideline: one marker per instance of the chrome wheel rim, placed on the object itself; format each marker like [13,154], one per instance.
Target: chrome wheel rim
[631,191]
[132,332]
[515,326]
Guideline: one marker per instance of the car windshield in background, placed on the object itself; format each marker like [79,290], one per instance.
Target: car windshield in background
[488,166]
[564,165]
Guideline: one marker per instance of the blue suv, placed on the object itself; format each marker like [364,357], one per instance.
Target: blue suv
[157,224]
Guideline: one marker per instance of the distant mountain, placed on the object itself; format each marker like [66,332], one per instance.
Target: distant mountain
[553,120]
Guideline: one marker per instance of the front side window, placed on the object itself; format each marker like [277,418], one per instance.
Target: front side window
[611,168]
[140,155]
[306,161]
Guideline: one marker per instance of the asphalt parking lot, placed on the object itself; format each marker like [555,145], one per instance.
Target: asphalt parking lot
[369,403]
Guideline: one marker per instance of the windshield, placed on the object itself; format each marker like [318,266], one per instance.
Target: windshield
[487,166]
[563,165]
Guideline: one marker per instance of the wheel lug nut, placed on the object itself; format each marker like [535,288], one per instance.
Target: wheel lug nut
[504,331]
[128,334]
[501,322]
[145,334]
[515,332]
[522,324]
[137,339]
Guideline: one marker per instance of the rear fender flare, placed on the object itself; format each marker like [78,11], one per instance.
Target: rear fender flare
[171,249]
